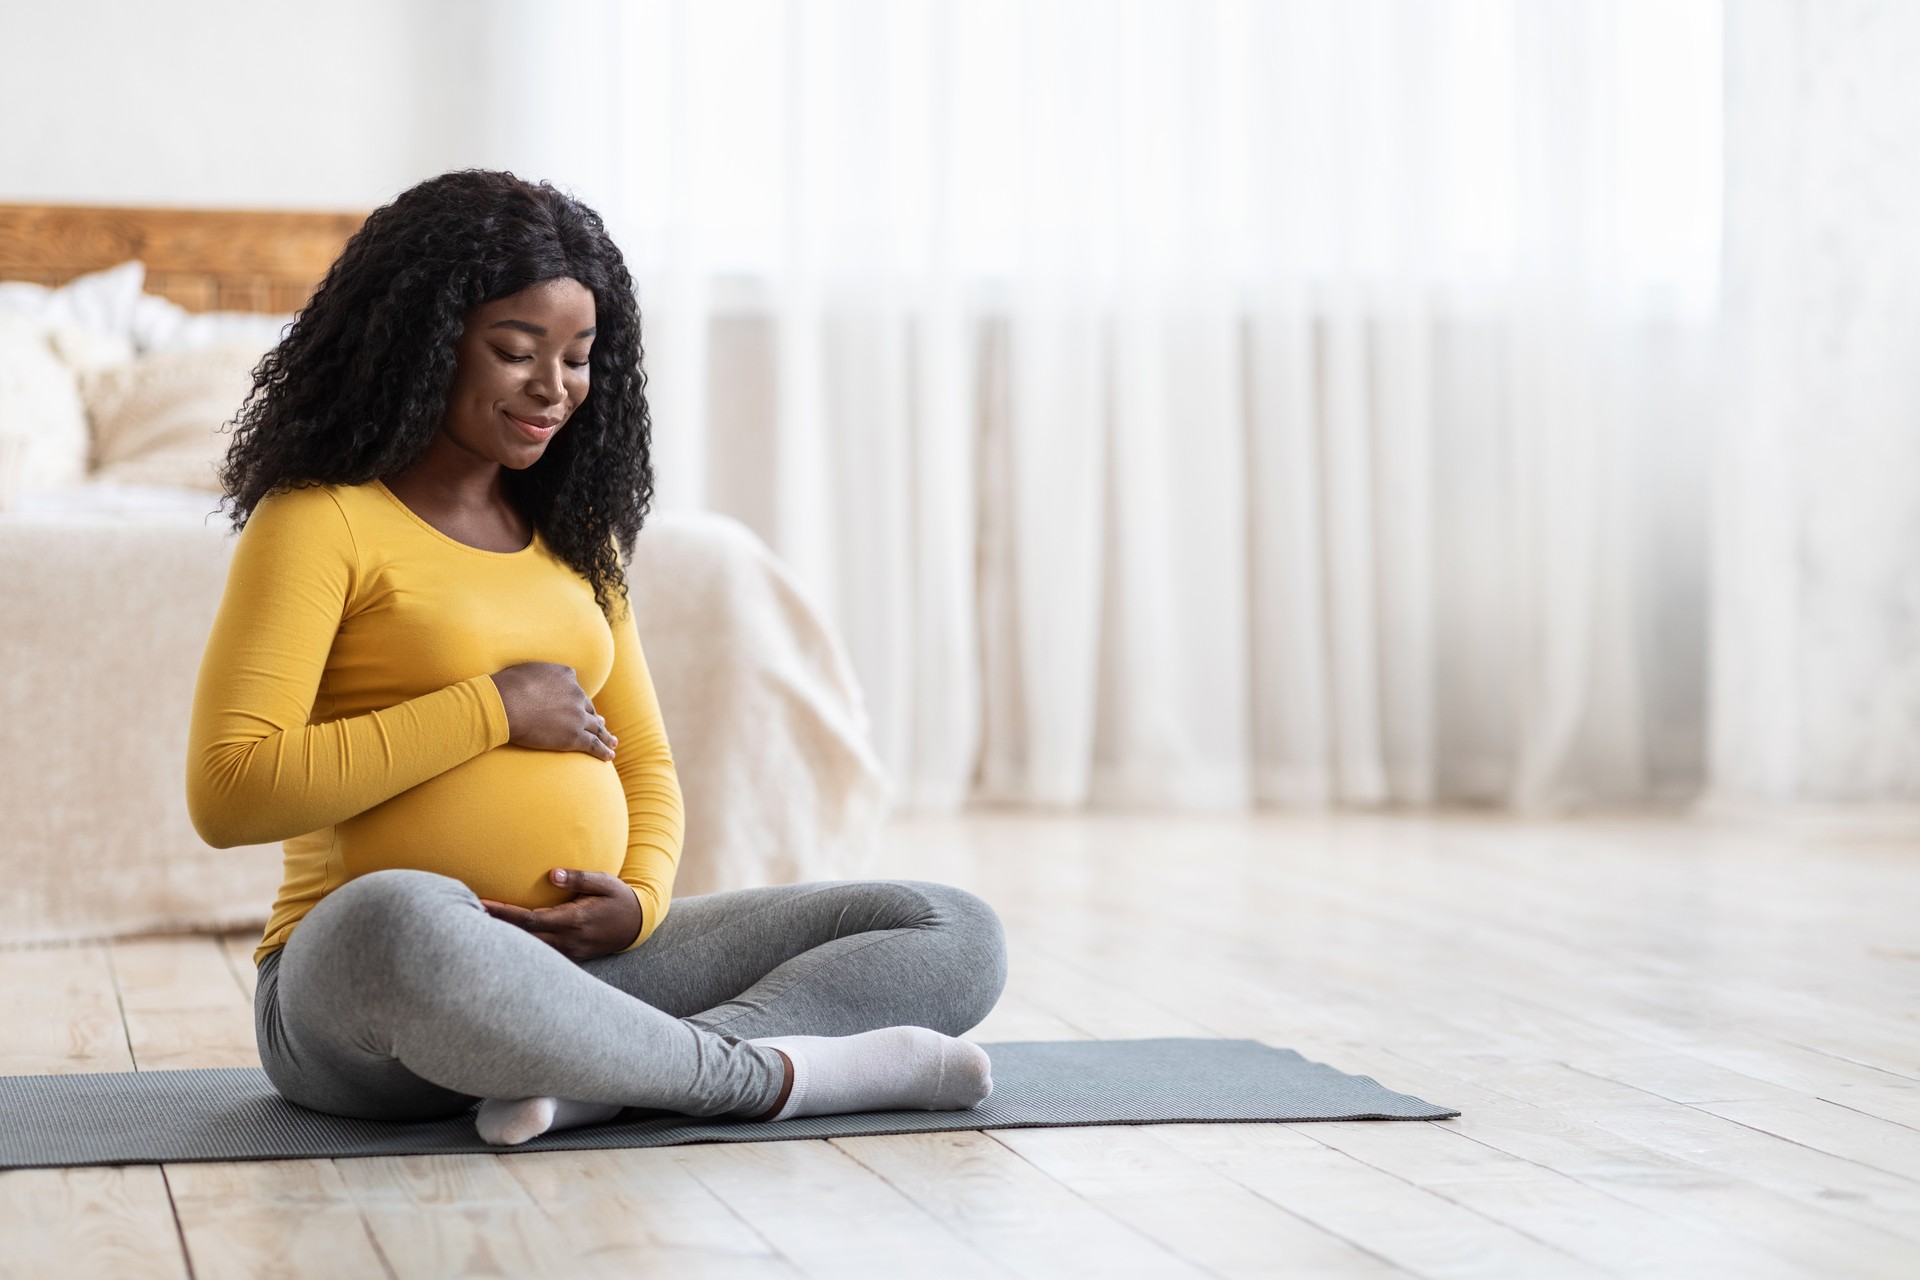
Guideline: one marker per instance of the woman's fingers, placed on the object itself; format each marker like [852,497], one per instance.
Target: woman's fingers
[597,884]
[597,740]
[551,920]
[535,919]
[601,917]
[507,911]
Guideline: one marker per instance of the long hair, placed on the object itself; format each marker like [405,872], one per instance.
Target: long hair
[357,388]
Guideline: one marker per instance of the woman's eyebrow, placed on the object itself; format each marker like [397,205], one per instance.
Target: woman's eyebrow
[539,330]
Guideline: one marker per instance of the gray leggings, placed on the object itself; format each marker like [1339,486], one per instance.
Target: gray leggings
[399,998]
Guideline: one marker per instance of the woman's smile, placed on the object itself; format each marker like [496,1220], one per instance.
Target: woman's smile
[536,431]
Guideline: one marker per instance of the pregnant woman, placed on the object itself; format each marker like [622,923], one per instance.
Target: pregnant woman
[424,678]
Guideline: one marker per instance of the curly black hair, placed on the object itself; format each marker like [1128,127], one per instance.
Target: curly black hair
[357,387]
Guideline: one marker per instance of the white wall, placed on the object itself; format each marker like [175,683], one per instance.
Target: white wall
[237,103]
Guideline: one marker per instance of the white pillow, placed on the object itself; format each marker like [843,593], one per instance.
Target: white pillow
[160,324]
[84,349]
[113,303]
[159,419]
[43,422]
[103,301]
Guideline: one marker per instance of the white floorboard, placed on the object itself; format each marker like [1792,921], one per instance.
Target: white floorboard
[1679,1049]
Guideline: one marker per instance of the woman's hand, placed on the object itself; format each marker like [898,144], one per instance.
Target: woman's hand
[548,710]
[602,917]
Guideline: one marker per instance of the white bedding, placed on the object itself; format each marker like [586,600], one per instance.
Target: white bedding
[96,498]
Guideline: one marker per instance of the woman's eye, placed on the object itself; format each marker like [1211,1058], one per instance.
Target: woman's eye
[509,357]
[578,364]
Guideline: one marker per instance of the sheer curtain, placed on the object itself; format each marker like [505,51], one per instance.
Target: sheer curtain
[1816,662]
[1185,403]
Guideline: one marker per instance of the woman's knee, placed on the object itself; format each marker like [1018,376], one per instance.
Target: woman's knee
[398,896]
[387,918]
[379,954]
[978,945]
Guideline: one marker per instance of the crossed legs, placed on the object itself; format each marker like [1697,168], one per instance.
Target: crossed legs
[398,997]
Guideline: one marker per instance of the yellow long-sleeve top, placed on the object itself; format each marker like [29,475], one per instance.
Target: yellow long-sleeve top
[345,706]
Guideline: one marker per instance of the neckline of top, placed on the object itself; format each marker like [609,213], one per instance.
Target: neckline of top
[448,538]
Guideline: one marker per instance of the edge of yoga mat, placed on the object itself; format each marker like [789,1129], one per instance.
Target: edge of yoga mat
[234,1113]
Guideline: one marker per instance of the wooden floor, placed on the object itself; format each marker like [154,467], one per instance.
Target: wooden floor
[1679,1051]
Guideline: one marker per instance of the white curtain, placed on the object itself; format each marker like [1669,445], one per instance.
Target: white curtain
[1187,403]
[1816,659]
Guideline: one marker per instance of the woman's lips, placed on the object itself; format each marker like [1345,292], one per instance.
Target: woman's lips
[530,430]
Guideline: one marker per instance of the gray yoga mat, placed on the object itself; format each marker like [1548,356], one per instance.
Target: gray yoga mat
[233,1113]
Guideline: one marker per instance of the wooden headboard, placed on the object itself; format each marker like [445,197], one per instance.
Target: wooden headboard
[203,259]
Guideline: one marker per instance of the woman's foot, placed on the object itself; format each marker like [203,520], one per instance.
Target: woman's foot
[508,1122]
[890,1069]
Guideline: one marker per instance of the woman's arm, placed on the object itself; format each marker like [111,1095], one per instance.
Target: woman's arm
[257,771]
[656,812]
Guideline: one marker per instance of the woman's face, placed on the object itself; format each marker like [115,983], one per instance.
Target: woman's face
[520,371]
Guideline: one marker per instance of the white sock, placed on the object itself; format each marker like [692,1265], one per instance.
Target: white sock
[508,1122]
[891,1069]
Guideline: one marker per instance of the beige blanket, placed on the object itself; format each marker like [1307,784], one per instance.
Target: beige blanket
[102,620]
[766,720]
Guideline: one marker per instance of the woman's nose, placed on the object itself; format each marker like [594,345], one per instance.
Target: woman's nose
[544,385]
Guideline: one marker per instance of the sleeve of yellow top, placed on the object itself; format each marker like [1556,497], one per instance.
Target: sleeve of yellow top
[257,771]
[656,812]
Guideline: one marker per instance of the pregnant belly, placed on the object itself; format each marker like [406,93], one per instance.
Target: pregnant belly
[500,822]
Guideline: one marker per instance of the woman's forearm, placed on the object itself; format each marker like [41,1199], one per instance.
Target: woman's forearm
[251,787]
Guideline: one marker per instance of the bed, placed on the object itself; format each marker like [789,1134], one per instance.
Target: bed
[112,561]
